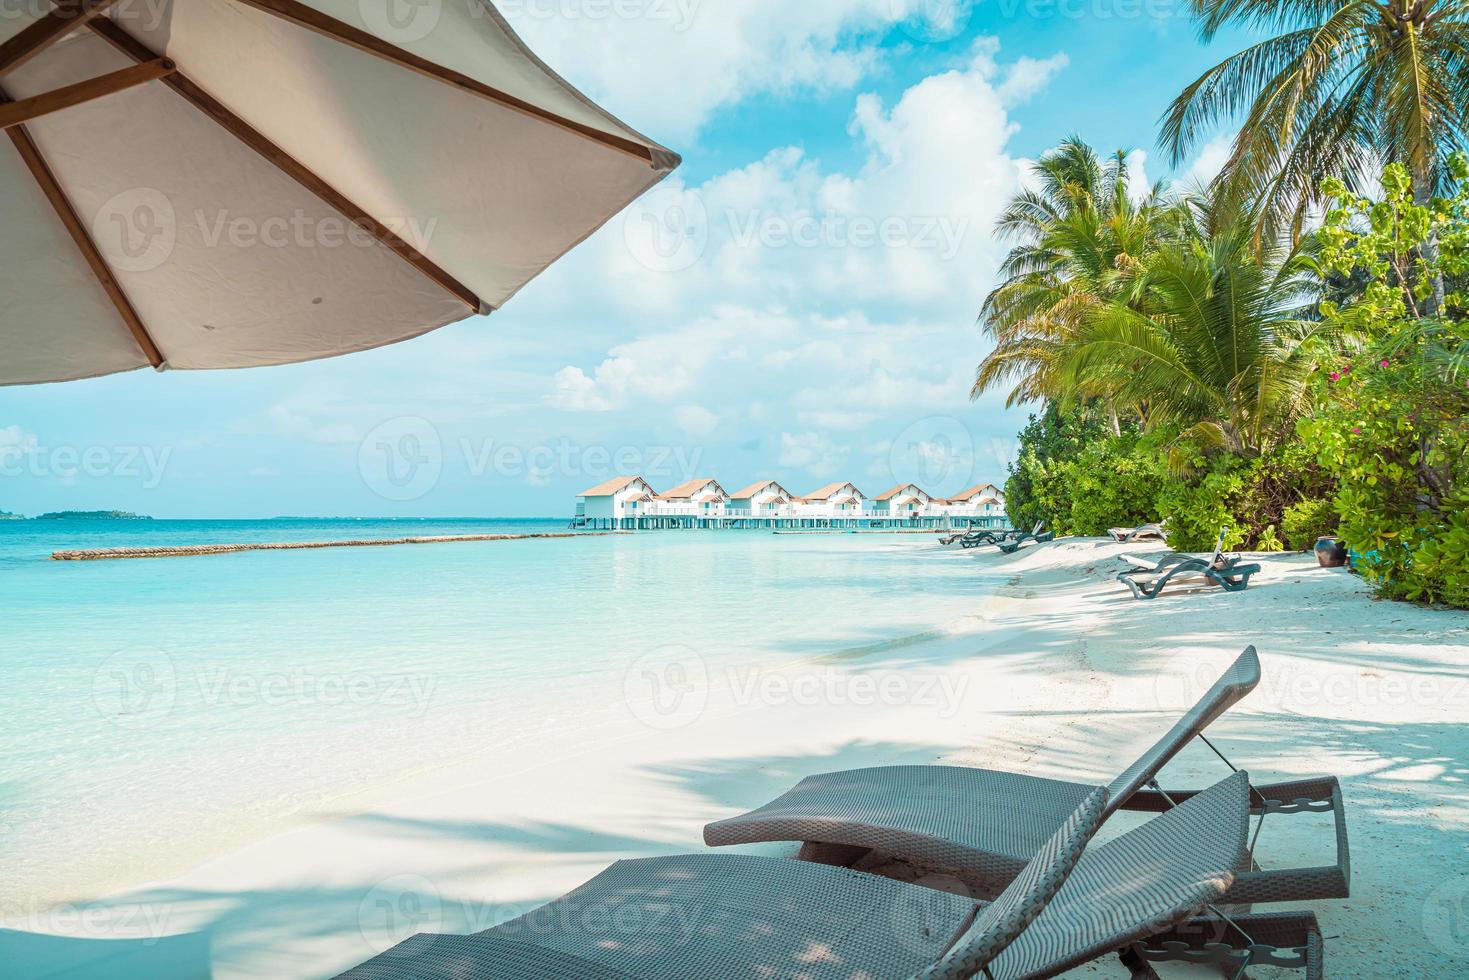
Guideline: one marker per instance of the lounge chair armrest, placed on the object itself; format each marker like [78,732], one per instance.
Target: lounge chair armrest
[1318,795]
[1300,884]
[1280,939]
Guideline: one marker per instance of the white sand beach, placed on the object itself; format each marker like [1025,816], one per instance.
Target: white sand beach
[1058,671]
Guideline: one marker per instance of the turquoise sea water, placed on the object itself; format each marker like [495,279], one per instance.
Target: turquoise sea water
[156,712]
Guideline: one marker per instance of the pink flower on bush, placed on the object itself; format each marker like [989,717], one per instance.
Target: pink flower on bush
[1336,376]
[1384,364]
[1357,429]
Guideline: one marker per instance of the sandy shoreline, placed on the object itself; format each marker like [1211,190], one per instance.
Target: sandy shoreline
[1057,671]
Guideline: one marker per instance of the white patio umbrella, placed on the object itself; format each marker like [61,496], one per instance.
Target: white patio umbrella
[233,183]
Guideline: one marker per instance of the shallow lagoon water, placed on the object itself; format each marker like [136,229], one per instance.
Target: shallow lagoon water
[158,712]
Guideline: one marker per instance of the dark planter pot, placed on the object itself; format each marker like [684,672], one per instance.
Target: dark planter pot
[1330,553]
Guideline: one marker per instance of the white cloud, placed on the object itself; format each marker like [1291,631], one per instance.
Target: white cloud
[1211,158]
[670,64]
[575,392]
[909,228]
[297,420]
[1139,184]
[810,451]
[696,420]
[15,441]
[837,305]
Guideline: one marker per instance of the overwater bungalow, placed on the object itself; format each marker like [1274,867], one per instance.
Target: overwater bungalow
[765,498]
[982,502]
[631,503]
[832,500]
[693,498]
[903,500]
[615,503]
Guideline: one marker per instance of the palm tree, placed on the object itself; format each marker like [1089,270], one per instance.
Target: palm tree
[1081,241]
[1343,88]
[1220,347]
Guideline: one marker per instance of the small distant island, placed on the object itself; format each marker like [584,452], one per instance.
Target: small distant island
[93,515]
[6,515]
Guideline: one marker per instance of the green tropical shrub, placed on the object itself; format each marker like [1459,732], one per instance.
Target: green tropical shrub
[1394,421]
[1305,522]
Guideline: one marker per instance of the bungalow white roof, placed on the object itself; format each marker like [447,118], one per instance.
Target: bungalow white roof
[613,487]
[915,489]
[831,490]
[686,490]
[754,488]
[973,492]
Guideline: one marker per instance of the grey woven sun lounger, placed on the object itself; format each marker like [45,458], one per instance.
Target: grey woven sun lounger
[1036,534]
[983,826]
[1125,535]
[748,917]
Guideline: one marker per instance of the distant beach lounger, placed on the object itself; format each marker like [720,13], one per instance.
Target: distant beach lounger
[725,916]
[974,539]
[1234,578]
[984,826]
[1148,582]
[1157,564]
[1126,535]
[1036,534]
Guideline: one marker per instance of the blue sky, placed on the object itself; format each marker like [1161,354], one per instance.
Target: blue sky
[797,302]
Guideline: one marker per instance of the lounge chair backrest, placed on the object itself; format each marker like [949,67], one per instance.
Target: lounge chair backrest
[1219,546]
[1002,921]
[1039,526]
[1240,679]
[1143,882]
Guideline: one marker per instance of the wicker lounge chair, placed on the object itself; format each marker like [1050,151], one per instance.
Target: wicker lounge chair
[983,826]
[718,916]
[1125,535]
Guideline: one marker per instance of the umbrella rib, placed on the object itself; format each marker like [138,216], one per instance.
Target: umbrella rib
[41,171]
[295,12]
[50,28]
[24,110]
[289,165]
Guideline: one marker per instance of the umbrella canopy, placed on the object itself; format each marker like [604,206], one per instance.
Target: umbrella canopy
[234,183]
